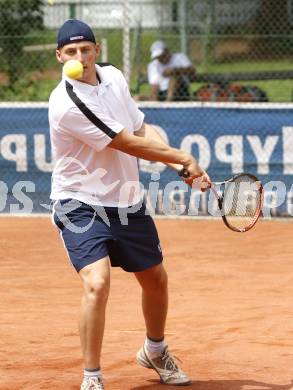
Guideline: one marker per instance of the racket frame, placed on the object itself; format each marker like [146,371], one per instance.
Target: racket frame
[185,174]
[220,200]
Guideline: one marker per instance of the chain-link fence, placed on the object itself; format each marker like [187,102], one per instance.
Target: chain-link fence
[240,50]
[189,50]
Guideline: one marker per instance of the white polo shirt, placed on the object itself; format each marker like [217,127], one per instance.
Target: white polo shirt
[156,69]
[85,168]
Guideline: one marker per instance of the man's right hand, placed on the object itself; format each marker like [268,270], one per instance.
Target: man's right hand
[198,177]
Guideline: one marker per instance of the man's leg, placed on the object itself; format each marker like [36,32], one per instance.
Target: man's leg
[154,283]
[154,353]
[178,90]
[96,283]
[172,88]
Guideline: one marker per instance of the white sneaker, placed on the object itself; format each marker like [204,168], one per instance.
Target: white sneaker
[92,384]
[165,366]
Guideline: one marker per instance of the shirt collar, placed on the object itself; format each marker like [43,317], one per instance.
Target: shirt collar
[105,79]
[88,88]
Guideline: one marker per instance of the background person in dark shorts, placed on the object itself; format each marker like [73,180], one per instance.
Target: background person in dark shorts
[97,133]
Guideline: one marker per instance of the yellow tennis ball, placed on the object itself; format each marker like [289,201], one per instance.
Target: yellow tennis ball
[73,69]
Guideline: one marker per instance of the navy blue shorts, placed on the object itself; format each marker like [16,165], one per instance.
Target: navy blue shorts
[90,233]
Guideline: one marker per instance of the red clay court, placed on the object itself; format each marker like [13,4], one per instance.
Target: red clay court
[230,317]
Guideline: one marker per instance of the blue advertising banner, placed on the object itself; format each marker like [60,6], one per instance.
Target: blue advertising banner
[225,138]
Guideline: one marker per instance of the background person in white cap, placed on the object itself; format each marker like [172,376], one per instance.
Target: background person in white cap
[169,74]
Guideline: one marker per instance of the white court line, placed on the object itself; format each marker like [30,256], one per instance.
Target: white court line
[156,216]
[148,104]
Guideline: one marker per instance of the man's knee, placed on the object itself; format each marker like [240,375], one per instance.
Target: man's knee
[161,283]
[97,288]
[157,282]
[96,280]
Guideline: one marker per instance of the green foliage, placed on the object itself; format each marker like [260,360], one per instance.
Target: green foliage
[25,89]
[38,71]
[273,30]
[17,19]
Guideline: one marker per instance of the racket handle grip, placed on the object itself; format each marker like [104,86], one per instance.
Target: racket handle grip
[184,173]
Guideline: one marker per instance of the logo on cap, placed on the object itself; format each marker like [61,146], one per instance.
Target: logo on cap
[77,37]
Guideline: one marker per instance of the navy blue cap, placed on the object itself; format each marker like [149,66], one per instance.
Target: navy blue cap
[72,31]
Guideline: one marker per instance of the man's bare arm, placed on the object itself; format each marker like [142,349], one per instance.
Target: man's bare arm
[155,150]
[150,132]
[183,71]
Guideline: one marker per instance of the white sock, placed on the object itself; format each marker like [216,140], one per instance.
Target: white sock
[154,348]
[92,373]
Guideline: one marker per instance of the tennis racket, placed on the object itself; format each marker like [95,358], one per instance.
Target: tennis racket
[240,200]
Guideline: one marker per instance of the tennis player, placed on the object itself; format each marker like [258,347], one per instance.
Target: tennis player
[97,134]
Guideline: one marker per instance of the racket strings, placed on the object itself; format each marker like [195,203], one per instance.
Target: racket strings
[241,202]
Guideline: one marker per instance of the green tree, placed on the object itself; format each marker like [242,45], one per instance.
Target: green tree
[273,29]
[17,19]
